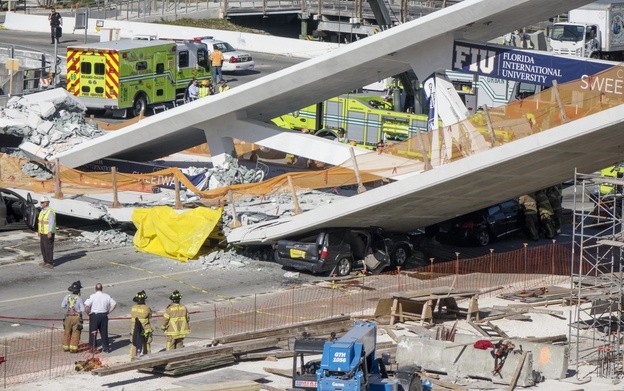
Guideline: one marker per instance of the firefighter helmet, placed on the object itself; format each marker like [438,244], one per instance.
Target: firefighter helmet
[140,297]
[75,287]
[175,296]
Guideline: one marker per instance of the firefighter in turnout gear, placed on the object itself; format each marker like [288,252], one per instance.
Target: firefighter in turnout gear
[140,328]
[72,324]
[545,213]
[531,220]
[555,197]
[175,322]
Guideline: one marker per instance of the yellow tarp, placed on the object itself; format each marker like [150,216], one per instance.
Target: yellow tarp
[163,231]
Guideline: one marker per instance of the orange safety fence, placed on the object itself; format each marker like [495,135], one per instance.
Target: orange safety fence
[482,131]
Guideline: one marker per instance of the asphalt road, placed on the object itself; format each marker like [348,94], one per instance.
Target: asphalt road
[265,63]
[31,295]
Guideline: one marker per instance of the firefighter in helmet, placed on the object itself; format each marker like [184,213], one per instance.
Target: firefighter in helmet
[140,328]
[175,322]
[72,323]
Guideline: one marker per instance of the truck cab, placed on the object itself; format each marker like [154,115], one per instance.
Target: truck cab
[575,39]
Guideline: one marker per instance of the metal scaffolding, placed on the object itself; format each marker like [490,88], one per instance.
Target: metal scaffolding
[596,274]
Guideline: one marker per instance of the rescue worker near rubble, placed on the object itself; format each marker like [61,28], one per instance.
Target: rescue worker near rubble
[531,221]
[140,327]
[555,197]
[175,322]
[72,323]
[46,230]
[99,305]
[192,91]
[223,86]
[205,89]
[546,214]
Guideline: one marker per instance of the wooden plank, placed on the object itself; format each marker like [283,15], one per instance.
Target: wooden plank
[163,358]
[338,322]
[236,385]
[516,375]
[197,365]
[280,372]
[263,355]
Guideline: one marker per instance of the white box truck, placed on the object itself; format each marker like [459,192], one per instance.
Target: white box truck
[595,30]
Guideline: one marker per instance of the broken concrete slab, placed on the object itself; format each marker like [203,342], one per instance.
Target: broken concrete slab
[461,360]
[550,360]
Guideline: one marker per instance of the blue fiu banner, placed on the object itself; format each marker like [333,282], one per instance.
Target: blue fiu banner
[510,63]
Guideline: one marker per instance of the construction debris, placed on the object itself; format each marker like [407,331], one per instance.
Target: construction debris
[233,258]
[110,237]
[49,122]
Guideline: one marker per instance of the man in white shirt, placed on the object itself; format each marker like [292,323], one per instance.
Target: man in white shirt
[98,306]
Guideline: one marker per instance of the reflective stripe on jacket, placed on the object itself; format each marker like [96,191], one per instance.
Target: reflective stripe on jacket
[175,321]
[143,313]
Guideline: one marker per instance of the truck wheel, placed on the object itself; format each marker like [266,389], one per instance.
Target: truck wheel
[343,267]
[140,105]
[399,255]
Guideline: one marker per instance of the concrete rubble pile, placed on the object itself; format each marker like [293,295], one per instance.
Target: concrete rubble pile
[256,209]
[102,238]
[233,259]
[230,173]
[49,122]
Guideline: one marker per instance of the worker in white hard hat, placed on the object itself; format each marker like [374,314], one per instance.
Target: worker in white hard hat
[46,228]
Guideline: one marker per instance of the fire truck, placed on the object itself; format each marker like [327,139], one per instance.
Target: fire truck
[127,76]
[363,118]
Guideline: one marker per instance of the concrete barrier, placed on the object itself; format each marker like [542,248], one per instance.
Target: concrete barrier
[461,361]
[243,41]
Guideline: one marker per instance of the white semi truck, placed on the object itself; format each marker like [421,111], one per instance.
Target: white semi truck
[595,31]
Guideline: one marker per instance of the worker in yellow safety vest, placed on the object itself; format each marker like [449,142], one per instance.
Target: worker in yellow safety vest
[47,230]
[223,86]
[140,328]
[205,89]
[175,322]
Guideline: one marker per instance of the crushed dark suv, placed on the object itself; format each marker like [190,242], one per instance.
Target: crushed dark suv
[485,225]
[337,251]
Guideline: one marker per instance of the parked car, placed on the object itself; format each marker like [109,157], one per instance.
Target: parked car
[337,251]
[485,225]
[233,60]
[17,212]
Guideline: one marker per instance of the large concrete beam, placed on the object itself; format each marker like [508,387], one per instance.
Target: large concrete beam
[461,361]
[425,43]
[548,359]
[477,181]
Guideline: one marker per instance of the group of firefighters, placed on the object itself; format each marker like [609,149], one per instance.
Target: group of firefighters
[175,324]
[542,212]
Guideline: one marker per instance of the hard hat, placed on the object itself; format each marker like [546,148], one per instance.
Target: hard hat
[140,297]
[204,82]
[44,199]
[175,296]
[75,287]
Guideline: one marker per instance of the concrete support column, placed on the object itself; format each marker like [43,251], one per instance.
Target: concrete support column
[219,145]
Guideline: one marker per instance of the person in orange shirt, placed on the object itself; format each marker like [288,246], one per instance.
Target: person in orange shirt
[216,61]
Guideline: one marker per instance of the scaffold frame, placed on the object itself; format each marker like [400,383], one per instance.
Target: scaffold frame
[595,328]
